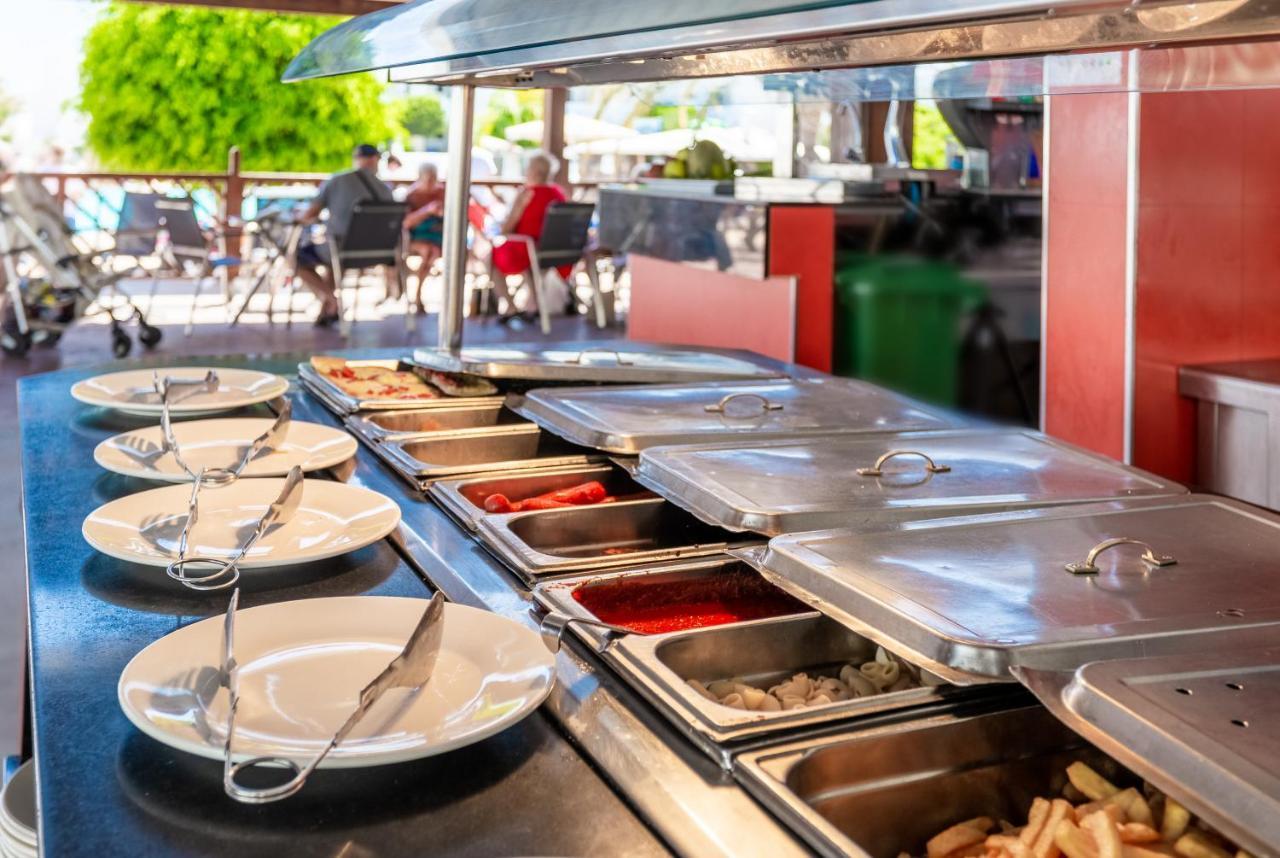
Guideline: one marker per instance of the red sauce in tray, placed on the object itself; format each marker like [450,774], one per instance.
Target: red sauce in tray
[653,604]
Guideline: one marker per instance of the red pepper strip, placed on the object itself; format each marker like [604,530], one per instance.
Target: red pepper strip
[538,503]
[587,493]
[497,503]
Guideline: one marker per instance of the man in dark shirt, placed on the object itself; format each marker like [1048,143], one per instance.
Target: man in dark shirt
[339,195]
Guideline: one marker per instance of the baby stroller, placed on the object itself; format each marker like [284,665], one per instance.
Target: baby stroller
[49,280]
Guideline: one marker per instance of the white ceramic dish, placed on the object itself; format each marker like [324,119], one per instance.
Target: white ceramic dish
[132,391]
[302,665]
[332,519]
[220,443]
[18,810]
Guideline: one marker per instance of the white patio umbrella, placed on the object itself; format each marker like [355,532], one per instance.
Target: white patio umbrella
[577,129]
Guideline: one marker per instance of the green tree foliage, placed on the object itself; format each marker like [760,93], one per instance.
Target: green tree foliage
[507,108]
[929,137]
[422,116]
[173,88]
[8,107]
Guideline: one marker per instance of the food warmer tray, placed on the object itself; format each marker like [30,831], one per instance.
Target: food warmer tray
[375,426]
[342,404]
[622,362]
[462,497]
[816,483]
[423,459]
[541,544]
[1103,610]
[627,420]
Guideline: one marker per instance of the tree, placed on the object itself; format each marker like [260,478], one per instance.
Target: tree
[507,108]
[173,88]
[422,116]
[8,107]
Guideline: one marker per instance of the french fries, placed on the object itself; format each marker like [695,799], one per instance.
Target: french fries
[1175,821]
[1193,844]
[1090,783]
[1108,822]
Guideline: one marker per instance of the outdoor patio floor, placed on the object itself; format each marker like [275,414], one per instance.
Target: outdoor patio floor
[89,344]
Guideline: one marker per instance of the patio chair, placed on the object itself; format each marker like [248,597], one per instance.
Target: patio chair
[190,248]
[566,229]
[375,236]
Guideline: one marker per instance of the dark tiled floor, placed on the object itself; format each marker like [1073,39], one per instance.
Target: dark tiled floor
[87,345]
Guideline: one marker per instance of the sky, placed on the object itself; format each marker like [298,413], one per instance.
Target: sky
[39,66]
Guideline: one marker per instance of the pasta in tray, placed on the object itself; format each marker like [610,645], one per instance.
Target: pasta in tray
[882,675]
[1093,819]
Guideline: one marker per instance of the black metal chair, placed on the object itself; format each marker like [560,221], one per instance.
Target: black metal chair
[190,249]
[375,236]
[566,230]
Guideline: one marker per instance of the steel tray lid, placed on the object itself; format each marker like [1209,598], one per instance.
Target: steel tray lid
[972,597]
[627,420]
[1202,727]
[585,362]
[833,481]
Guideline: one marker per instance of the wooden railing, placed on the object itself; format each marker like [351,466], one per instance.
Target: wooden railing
[83,193]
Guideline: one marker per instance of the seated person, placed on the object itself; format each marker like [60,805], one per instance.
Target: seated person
[425,223]
[339,195]
[525,218]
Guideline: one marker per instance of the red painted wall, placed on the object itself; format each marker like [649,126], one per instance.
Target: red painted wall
[1085,271]
[802,245]
[1208,258]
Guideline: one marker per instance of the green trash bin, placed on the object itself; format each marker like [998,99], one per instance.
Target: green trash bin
[900,322]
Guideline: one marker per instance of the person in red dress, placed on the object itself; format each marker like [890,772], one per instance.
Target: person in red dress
[525,218]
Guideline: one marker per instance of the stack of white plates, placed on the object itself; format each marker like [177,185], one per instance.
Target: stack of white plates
[18,814]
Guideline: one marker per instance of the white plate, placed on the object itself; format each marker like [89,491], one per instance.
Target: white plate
[302,665]
[220,444]
[332,519]
[132,391]
[18,806]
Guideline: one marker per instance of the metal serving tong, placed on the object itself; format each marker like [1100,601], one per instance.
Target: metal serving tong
[554,624]
[216,573]
[218,477]
[165,385]
[411,669]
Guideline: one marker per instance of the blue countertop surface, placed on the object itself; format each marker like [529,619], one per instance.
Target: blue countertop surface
[106,789]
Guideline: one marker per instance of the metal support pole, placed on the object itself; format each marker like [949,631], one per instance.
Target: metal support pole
[457,195]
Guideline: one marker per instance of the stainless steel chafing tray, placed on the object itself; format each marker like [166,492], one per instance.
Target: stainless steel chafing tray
[880,792]
[421,459]
[629,419]
[380,425]
[1203,727]
[464,498]
[972,597]
[342,403]
[807,484]
[761,653]
[595,362]
[1142,623]
[539,544]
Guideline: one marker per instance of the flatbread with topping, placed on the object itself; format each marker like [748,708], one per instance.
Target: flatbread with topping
[373,382]
[457,384]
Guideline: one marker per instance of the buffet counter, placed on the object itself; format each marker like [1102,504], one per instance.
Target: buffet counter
[828,619]
[103,787]
[106,789]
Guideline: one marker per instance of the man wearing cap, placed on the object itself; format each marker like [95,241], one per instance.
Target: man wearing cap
[340,195]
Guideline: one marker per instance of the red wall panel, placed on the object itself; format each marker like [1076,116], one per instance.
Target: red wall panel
[802,242]
[1085,271]
[687,305]
[1207,255]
